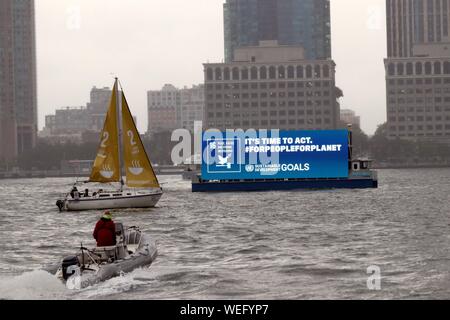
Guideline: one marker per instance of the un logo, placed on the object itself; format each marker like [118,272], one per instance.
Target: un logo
[249,168]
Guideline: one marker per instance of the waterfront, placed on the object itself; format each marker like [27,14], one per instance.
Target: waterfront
[265,245]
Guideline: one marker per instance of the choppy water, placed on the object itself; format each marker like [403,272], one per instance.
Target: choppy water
[268,245]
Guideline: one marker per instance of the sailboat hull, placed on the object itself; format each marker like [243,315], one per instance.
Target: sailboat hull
[146,200]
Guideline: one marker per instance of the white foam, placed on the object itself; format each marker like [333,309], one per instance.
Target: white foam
[32,285]
[123,283]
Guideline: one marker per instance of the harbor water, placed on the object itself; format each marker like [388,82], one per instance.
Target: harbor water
[264,245]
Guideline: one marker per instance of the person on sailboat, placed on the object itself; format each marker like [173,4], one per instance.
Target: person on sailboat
[105,231]
[75,193]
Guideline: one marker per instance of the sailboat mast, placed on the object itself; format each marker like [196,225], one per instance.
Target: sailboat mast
[119,131]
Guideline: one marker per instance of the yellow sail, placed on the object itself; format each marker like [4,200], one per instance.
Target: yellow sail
[106,166]
[138,168]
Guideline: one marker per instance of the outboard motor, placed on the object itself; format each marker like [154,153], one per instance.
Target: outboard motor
[60,204]
[67,262]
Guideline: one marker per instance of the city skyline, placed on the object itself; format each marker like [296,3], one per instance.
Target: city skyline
[76,51]
[303,23]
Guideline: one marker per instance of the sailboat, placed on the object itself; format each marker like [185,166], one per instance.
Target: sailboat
[120,149]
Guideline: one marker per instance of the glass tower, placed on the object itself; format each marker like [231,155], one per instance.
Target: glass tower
[292,22]
[18,106]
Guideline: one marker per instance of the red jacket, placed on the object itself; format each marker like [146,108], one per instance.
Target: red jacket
[105,233]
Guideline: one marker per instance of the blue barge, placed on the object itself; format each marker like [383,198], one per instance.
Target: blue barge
[360,177]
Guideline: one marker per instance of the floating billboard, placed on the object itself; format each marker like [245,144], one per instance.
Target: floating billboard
[273,154]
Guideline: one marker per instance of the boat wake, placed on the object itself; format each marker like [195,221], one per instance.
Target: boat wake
[129,282]
[41,285]
[31,285]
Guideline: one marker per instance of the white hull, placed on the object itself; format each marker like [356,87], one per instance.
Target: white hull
[146,200]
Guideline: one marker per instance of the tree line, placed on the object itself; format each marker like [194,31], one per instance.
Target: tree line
[47,156]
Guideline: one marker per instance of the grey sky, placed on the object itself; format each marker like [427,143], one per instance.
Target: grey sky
[147,43]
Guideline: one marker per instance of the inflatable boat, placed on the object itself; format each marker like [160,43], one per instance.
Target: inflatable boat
[87,267]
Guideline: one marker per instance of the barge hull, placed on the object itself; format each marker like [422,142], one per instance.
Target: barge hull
[283,185]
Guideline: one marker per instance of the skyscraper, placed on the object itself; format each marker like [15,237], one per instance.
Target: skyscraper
[418,69]
[303,23]
[18,106]
[411,24]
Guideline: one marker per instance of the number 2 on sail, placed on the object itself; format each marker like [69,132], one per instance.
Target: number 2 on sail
[105,138]
[131,135]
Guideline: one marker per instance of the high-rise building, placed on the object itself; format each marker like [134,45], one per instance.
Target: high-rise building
[192,106]
[172,108]
[418,69]
[18,105]
[303,23]
[271,87]
[97,107]
[349,117]
[163,109]
[415,26]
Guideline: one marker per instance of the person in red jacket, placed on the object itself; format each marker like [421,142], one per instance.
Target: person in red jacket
[105,231]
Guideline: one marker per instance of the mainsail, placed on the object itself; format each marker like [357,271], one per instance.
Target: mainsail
[139,171]
[106,166]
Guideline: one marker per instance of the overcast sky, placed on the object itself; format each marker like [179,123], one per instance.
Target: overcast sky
[147,43]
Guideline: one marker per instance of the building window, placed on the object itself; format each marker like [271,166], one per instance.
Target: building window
[281,72]
[317,71]
[391,69]
[418,68]
[409,68]
[446,67]
[254,73]
[272,72]
[290,72]
[218,72]
[226,74]
[235,74]
[400,69]
[437,68]
[300,72]
[326,71]
[308,72]
[427,67]
[263,73]
[209,74]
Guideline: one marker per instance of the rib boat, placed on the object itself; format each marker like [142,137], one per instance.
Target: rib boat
[87,267]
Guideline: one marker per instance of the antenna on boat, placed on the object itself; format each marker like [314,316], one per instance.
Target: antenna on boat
[350,142]
[82,254]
